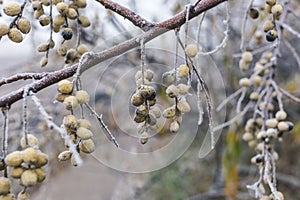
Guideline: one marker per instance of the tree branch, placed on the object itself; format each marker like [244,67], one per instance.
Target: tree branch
[159,29]
[127,14]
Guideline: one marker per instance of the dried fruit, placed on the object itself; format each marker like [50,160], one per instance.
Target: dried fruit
[32,141]
[24,25]
[14,159]
[247,56]
[137,99]
[84,21]
[183,106]
[70,122]
[62,8]
[253,13]
[174,127]
[41,174]
[183,71]
[12,9]
[44,20]
[65,155]
[23,196]
[169,112]
[3,29]
[17,172]
[172,91]
[244,82]
[144,138]
[65,86]
[81,49]
[30,155]
[277,11]
[72,13]
[82,96]
[84,133]
[44,61]
[4,186]
[29,178]
[281,115]
[191,50]
[87,146]
[271,35]
[183,89]
[84,123]
[15,35]
[268,25]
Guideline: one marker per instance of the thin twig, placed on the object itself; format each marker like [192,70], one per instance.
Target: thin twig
[293,51]
[244,26]
[225,38]
[5,136]
[61,130]
[103,125]
[228,99]
[292,97]
[23,76]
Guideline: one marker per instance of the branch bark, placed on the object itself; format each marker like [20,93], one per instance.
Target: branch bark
[159,29]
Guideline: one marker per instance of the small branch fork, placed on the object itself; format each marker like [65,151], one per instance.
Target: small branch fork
[152,32]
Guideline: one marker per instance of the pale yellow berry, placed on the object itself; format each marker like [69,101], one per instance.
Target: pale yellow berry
[268,8]
[17,172]
[29,178]
[183,89]
[172,91]
[258,68]
[247,137]
[84,133]
[183,106]
[62,50]
[244,82]
[56,1]
[247,56]
[82,96]
[36,5]
[71,56]
[277,11]
[62,8]
[281,115]
[174,127]
[12,9]
[23,196]
[14,159]
[15,35]
[44,20]
[256,80]
[271,123]
[70,102]
[9,196]
[41,174]
[65,155]
[3,29]
[30,155]
[38,13]
[254,96]
[183,71]
[168,78]
[191,50]
[43,61]
[144,138]
[65,86]
[87,146]
[84,123]
[4,186]
[244,66]
[24,25]
[43,47]
[285,126]
[70,122]
[84,21]
[81,49]
[268,25]
[72,13]
[169,112]
[271,2]
[142,110]
[81,3]
[67,33]
[42,159]
[32,141]
[252,143]
[59,20]
[45,2]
